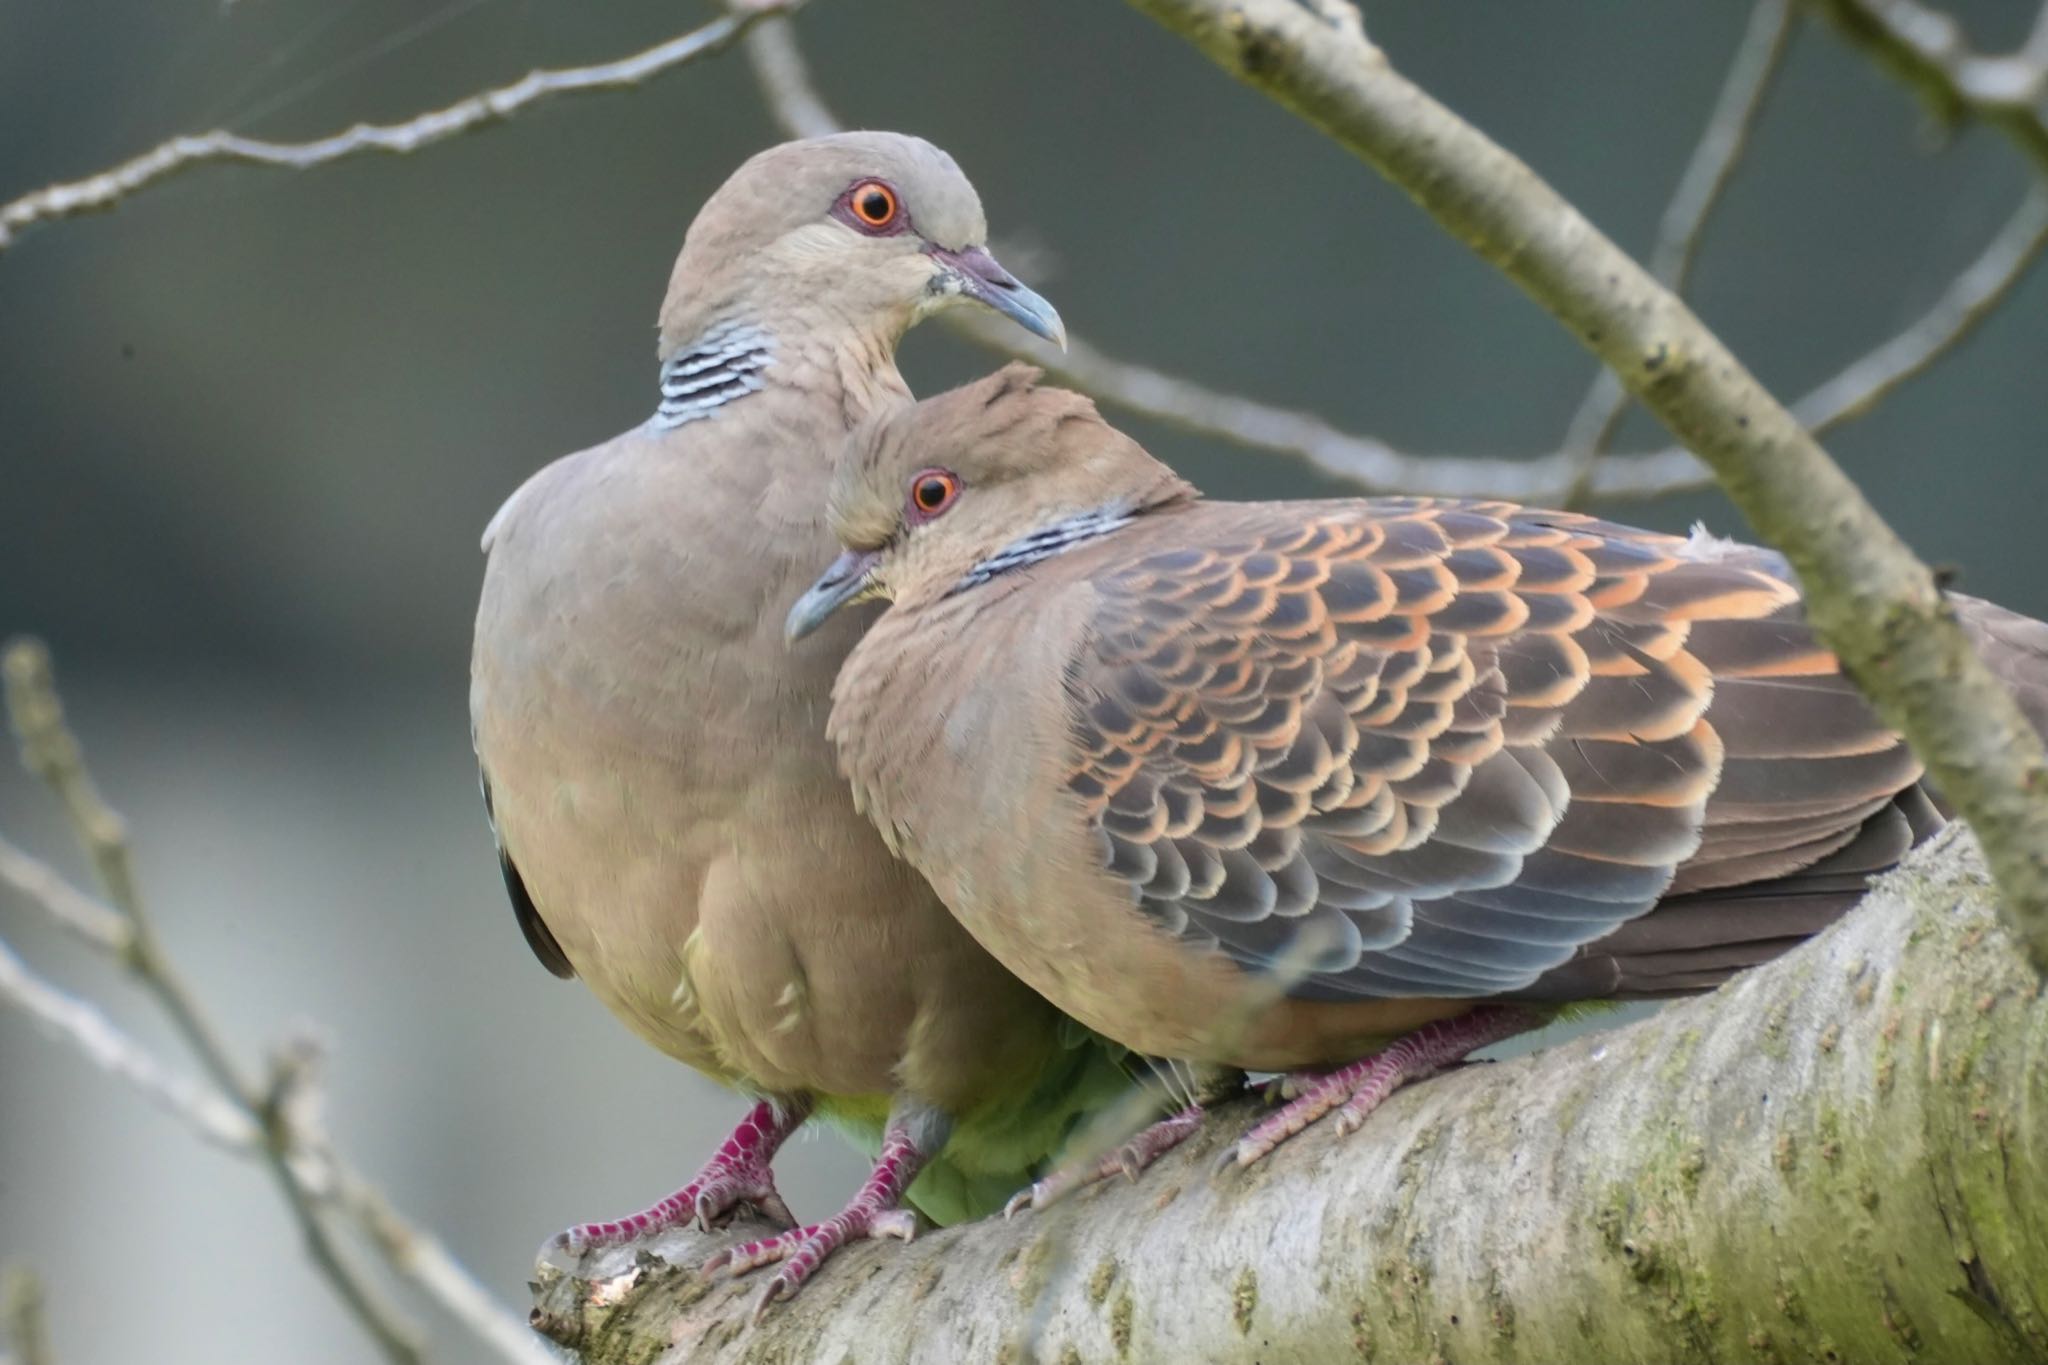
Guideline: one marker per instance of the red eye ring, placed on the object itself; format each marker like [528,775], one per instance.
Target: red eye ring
[873,206]
[932,491]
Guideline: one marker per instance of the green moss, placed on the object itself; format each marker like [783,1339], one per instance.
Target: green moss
[1101,1281]
[1771,1038]
[1828,1129]
[1502,1312]
[1244,1300]
[1031,1270]
[1362,1340]
[1691,1163]
[1679,1060]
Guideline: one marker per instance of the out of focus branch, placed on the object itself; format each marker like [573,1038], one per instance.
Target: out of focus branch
[34,879]
[22,1329]
[1372,464]
[274,1119]
[785,80]
[1927,49]
[1876,605]
[49,750]
[111,186]
[74,1021]
[1706,176]
[1970,298]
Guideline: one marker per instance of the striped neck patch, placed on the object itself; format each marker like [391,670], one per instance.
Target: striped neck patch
[723,364]
[1046,542]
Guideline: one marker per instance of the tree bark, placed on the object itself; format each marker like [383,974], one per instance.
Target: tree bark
[1839,1156]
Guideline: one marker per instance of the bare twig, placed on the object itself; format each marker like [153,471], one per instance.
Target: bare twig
[785,80]
[74,1021]
[1706,176]
[89,919]
[1972,297]
[1927,49]
[423,1258]
[275,1121]
[21,1317]
[1875,604]
[51,751]
[325,1177]
[110,187]
[1372,464]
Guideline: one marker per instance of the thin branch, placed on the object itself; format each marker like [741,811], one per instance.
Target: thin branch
[282,1123]
[426,1261]
[785,81]
[103,1043]
[1875,605]
[21,1317]
[1750,74]
[1970,298]
[89,919]
[1371,464]
[1927,49]
[51,751]
[413,1252]
[110,187]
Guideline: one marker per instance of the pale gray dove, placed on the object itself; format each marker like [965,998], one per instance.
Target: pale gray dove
[668,817]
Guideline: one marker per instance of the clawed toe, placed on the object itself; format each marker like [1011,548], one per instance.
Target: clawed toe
[1031,1196]
[1354,1091]
[1129,1161]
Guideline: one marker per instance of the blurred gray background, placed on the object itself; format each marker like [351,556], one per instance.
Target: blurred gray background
[252,424]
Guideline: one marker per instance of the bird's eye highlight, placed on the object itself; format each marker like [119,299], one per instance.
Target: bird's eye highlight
[932,491]
[873,205]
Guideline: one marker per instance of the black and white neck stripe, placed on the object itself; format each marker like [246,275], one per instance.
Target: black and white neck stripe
[1046,542]
[723,364]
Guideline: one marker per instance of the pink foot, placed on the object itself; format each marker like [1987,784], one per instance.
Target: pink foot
[1356,1090]
[1129,1161]
[738,1173]
[873,1213]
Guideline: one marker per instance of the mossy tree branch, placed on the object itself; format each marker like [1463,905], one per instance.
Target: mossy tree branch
[1875,604]
[1841,1156]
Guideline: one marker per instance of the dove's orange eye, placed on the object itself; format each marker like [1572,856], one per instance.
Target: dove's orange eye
[932,491]
[872,205]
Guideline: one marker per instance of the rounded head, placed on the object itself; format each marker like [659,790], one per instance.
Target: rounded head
[926,493]
[870,230]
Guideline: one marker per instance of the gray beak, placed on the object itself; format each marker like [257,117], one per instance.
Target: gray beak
[982,278]
[849,579]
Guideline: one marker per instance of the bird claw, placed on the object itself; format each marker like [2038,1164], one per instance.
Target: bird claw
[1033,1196]
[899,1224]
[1354,1091]
[715,1208]
[895,1224]
[802,1250]
[738,1173]
[1130,1161]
